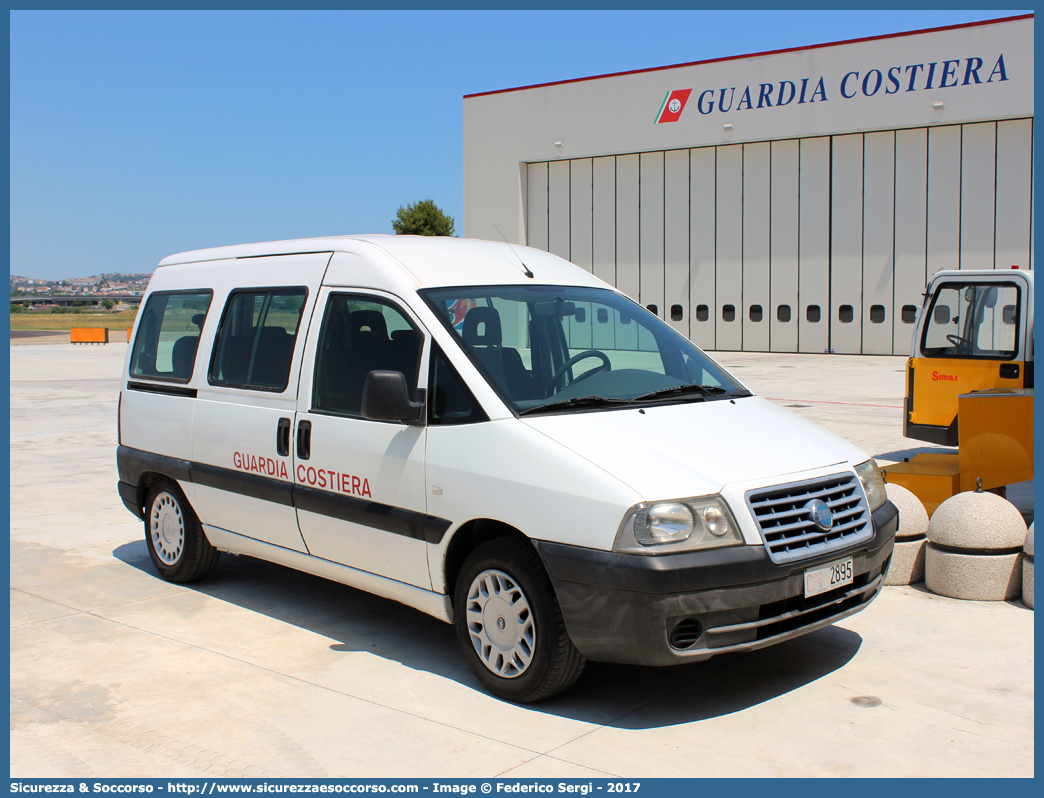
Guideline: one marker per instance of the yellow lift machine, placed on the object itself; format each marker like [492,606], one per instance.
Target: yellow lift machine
[969,384]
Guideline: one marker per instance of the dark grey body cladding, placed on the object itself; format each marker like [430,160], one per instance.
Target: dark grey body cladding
[623,608]
[134,463]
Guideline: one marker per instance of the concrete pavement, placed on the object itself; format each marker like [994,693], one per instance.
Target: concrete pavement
[262,670]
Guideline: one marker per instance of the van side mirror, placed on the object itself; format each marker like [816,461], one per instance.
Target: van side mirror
[386,398]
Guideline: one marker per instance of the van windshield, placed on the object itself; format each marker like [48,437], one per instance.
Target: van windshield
[550,349]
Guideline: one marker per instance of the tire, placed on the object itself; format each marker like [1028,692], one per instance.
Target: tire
[531,659]
[178,547]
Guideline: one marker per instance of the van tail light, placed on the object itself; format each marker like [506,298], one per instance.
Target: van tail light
[119,421]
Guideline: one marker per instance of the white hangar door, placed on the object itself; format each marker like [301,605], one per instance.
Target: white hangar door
[558,208]
[650,232]
[580,209]
[536,205]
[813,310]
[729,238]
[800,245]
[878,242]
[911,229]
[676,240]
[783,256]
[846,244]
[1014,154]
[756,199]
[978,183]
[702,246]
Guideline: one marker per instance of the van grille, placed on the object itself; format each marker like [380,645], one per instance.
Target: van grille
[786,524]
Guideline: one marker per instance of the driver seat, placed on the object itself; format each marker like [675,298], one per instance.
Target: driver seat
[482,333]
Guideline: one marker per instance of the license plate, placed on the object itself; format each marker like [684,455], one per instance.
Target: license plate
[827,577]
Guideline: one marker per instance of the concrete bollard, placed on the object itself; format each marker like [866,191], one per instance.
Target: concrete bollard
[1027,569]
[975,548]
[907,566]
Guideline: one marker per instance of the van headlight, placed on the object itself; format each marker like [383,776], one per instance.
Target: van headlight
[873,483]
[703,522]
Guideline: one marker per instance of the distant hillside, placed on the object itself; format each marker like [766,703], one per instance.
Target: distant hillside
[108,283]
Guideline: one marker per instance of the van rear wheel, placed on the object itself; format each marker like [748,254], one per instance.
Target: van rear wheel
[177,545]
[509,624]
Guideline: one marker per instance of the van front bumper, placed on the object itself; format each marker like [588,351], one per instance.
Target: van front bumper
[626,608]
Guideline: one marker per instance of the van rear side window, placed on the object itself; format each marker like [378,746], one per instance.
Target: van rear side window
[255,343]
[168,335]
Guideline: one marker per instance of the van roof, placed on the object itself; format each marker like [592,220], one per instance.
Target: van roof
[428,260]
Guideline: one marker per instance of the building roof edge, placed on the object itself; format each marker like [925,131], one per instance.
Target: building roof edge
[753,55]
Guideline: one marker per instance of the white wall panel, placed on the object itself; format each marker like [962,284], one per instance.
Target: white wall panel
[729,262]
[846,243]
[944,198]
[536,206]
[580,230]
[651,230]
[676,238]
[1014,167]
[814,244]
[627,225]
[603,116]
[603,199]
[783,258]
[558,208]
[702,242]
[878,241]
[978,193]
[911,222]
[756,188]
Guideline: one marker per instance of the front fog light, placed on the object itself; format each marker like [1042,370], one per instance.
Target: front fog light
[663,523]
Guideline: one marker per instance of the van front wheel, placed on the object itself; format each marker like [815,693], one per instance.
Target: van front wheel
[510,626]
[177,545]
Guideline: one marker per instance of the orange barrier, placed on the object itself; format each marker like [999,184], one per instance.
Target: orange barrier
[89,335]
[128,334]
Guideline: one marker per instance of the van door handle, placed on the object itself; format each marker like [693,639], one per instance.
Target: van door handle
[283,437]
[304,440]
[1009,371]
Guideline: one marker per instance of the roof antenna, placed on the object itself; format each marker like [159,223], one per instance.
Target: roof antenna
[524,267]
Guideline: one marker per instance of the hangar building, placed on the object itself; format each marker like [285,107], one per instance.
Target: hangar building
[790,201]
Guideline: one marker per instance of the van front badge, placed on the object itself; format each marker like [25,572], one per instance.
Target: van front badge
[820,514]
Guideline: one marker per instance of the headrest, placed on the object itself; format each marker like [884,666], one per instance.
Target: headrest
[482,327]
[367,325]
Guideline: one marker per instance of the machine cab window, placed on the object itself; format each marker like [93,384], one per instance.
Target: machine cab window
[973,320]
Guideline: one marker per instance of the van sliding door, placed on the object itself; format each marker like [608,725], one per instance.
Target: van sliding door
[243,463]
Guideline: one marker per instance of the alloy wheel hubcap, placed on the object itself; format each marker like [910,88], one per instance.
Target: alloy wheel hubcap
[500,624]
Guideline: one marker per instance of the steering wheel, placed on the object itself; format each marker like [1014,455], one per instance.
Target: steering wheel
[561,370]
[960,343]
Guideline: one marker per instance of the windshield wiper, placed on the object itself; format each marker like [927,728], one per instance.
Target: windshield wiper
[696,391]
[580,401]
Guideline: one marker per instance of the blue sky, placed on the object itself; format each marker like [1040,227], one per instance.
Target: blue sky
[135,135]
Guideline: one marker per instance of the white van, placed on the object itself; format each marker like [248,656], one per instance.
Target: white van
[493,436]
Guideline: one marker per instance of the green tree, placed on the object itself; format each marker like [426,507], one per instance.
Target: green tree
[423,218]
[17,307]
[108,304]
